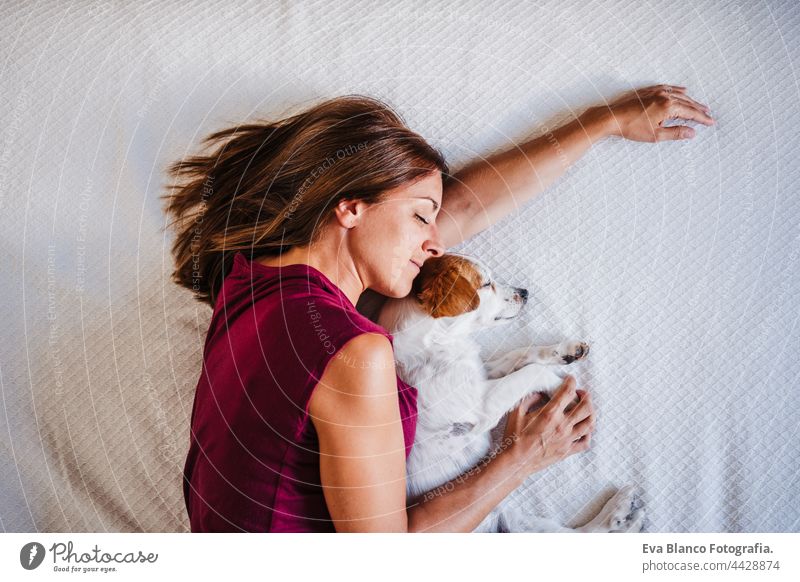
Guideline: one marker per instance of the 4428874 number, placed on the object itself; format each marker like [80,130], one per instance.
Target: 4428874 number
[751,565]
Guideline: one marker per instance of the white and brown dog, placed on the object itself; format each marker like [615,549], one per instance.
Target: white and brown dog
[461,398]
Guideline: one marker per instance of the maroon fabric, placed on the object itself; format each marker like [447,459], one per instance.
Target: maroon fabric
[253,462]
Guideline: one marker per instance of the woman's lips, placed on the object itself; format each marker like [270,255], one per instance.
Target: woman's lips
[416,266]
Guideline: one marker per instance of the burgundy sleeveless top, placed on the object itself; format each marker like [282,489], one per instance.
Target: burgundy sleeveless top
[253,462]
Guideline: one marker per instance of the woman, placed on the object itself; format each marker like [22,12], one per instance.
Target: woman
[299,420]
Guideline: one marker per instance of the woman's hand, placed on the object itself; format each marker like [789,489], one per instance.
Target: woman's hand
[639,115]
[560,428]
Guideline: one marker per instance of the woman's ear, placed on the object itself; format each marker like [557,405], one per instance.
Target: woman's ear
[348,211]
[345,213]
[448,293]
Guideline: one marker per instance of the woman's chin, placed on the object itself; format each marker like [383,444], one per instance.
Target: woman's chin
[396,291]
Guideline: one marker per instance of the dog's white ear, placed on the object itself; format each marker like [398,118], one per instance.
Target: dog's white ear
[448,293]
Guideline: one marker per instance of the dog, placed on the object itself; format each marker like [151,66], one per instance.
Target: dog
[460,398]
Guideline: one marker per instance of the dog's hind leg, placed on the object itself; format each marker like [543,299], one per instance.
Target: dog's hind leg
[623,513]
[515,522]
[556,355]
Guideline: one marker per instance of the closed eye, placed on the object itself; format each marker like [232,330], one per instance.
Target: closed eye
[486,285]
[421,219]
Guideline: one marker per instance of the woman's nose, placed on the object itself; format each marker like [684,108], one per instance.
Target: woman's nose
[434,246]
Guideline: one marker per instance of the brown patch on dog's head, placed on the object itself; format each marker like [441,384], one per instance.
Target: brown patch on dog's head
[448,286]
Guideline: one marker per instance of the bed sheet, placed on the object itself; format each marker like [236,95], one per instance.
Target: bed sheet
[678,262]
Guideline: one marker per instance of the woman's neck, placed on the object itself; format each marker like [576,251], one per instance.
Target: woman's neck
[338,267]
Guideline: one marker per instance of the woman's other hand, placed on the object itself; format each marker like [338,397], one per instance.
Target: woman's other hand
[560,428]
[639,115]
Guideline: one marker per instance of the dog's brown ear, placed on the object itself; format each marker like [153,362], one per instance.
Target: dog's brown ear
[444,290]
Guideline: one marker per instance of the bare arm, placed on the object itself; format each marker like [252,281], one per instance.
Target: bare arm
[362,456]
[487,190]
[355,412]
[461,504]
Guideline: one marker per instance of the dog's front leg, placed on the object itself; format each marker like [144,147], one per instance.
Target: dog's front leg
[557,354]
[503,393]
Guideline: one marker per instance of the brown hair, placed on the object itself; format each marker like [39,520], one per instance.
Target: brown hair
[271,185]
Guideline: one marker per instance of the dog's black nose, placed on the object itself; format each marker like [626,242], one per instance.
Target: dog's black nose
[522,293]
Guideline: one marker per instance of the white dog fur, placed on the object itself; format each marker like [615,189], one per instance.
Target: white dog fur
[461,398]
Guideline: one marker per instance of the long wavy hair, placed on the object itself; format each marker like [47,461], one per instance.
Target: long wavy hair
[268,186]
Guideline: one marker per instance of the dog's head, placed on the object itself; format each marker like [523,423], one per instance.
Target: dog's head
[456,285]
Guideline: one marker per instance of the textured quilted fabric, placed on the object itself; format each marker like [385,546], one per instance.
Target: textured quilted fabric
[677,261]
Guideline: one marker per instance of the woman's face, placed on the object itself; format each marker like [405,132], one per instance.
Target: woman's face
[395,236]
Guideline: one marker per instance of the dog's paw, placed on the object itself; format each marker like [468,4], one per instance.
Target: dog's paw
[628,515]
[623,513]
[573,351]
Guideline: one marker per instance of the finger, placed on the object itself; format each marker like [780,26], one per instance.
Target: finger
[681,110]
[583,428]
[689,101]
[574,402]
[523,406]
[704,111]
[583,409]
[564,395]
[582,444]
[662,87]
[529,401]
[674,132]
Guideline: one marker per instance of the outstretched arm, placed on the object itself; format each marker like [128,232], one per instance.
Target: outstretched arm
[487,190]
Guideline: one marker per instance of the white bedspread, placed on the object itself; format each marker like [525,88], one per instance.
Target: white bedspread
[677,261]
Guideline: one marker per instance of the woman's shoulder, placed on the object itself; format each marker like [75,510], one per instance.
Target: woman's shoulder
[364,356]
[363,367]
